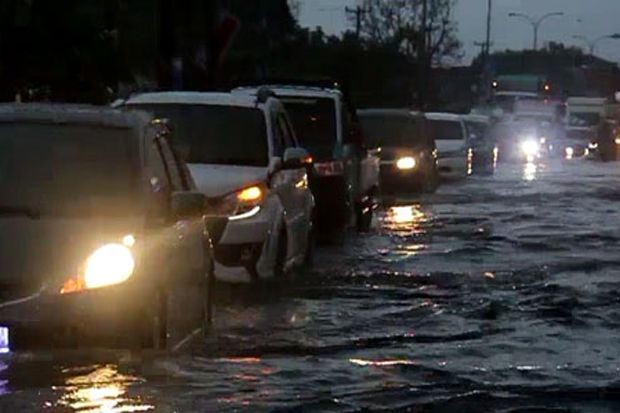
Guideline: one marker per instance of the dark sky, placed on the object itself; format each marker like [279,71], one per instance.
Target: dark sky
[591,18]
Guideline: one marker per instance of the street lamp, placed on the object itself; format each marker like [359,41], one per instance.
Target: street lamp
[536,23]
[592,43]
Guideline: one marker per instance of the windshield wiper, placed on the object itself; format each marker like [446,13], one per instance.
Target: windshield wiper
[9,210]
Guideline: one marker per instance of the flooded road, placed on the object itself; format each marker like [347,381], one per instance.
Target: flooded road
[498,294]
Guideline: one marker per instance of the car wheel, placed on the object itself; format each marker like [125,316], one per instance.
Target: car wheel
[364,218]
[180,311]
[279,271]
[311,244]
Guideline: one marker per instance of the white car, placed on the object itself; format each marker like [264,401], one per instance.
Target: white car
[453,149]
[243,155]
[345,179]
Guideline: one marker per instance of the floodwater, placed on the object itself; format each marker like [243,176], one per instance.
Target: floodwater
[497,294]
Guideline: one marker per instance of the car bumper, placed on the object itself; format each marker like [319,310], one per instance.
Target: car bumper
[452,167]
[239,248]
[101,316]
[394,181]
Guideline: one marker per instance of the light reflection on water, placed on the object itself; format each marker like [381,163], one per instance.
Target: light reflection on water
[530,171]
[103,390]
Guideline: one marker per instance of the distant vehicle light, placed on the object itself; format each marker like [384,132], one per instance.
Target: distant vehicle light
[593,145]
[543,140]
[530,148]
[406,163]
[617,141]
[570,152]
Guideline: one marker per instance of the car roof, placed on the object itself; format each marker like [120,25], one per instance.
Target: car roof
[388,112]
[292,91]
[195,98]
[53,113]
[517,93]
[453,117]
[477,118]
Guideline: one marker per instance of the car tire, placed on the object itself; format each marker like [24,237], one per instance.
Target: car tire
[364,219]
[279,271]
[310,248]
[195,303]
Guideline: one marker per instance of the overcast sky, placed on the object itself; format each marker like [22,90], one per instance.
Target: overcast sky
[591,18]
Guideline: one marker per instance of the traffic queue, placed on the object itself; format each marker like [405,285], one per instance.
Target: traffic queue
[120,220]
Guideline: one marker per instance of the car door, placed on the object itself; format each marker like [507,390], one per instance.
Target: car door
[185,237]
[285,183]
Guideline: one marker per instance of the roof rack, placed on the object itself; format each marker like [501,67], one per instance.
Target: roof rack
[264,93]
[313,84]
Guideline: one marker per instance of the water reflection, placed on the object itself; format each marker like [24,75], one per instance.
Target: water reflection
[382,363]
[530,171]
[409,218]
[103,390]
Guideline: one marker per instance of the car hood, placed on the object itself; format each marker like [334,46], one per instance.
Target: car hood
[44,252]
[218,180]
[447,145]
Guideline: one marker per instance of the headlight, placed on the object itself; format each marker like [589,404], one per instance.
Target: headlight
[593,145]
[109,265]
[569,152]
[406,163]
[530,148]
[241,204]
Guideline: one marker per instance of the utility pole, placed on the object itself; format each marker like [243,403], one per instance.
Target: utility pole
[488,43]
[358,12]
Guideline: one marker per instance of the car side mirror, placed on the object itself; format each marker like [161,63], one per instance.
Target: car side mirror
[187,204]
[296,158]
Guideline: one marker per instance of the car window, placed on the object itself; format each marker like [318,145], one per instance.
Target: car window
[178,180]
[391,130]
[284,131]
[212,134]
[69,168]
[447,129]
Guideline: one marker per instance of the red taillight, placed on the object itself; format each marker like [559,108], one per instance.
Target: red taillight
[329,168]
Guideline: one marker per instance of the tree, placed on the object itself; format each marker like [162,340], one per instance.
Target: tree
[401,23]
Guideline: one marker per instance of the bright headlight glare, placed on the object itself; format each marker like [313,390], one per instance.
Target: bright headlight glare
[405,163]
[109,265]
[530,147]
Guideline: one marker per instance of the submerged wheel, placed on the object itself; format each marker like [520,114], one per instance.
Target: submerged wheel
[364,217]
[279,271]
[311,244]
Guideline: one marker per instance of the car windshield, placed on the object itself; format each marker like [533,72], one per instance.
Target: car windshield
[391,131]
[584,119]
[210,134]
[314,120]
[446,130]
[478,129]
[67,169]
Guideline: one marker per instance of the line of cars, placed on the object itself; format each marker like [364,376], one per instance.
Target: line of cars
[116,222]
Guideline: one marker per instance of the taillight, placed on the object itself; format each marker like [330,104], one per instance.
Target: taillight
[329,168]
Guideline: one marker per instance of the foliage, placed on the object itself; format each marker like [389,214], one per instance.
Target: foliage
[400,24]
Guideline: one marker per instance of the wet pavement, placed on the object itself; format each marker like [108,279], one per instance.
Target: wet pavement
[497,294]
